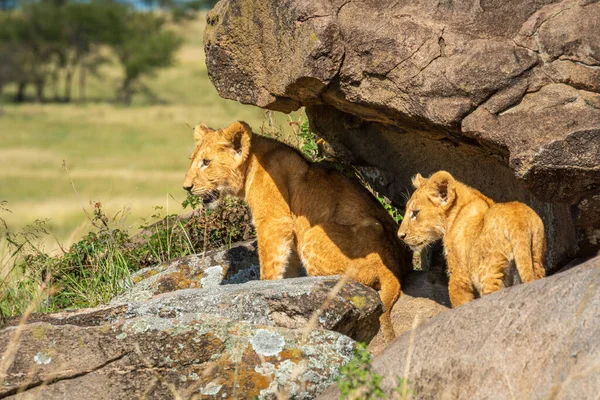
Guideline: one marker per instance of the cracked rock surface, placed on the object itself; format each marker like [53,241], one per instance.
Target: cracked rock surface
[503,94]
[167,358]
[508,345]
[248,339]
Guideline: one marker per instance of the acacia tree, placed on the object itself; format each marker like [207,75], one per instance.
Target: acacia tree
[33,37]
[144,47]
[50,39]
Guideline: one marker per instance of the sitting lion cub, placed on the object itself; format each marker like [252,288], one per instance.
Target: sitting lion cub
[302,212]
[481,239]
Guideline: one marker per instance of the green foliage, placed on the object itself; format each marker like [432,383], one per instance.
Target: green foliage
[44,41]
[144,47]
[357,381]
[402,389]
[394,212]
[99,266]
[191,201]
[310,147]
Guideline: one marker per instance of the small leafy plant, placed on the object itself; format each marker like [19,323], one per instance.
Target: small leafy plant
[387,204]
[357,381]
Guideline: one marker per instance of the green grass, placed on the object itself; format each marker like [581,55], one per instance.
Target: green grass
[122,156]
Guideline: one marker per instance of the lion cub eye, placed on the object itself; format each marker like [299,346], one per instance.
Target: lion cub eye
[205,162]
[414,214]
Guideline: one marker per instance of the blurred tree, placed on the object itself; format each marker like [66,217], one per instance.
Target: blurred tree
[180,9]
[46,41]
[144,48]
[87,27]
[33,37]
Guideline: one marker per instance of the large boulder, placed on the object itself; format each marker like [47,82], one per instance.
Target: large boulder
[408,312]
[538,340]
[287,303]
[253,339]
[503,94]
[196,356]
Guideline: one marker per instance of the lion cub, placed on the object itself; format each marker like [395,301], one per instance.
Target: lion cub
[302,212]
[482,239]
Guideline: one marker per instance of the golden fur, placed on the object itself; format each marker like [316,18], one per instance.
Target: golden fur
[482,239]
[303,213]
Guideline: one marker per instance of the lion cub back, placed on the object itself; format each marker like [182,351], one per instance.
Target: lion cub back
[482,239]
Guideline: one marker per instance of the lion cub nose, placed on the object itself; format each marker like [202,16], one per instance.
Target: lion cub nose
[401,235]
[188,187]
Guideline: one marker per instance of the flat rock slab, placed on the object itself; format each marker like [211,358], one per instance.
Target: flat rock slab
[238,264]
[538,340]
[200,356]
[287,303]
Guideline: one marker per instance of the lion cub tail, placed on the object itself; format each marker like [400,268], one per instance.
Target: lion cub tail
[530,249]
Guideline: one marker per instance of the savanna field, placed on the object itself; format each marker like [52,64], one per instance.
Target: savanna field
[131,159]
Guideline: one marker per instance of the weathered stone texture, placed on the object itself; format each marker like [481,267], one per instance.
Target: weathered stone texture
[253,339]
[503,94]
[169,358]
[238,264]
[538,340]
[287,303]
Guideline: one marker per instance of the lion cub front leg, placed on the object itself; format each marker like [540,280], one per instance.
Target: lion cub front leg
[275,240]
[460,287]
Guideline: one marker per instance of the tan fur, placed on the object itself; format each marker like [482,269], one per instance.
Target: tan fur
[481,238]
[302,212]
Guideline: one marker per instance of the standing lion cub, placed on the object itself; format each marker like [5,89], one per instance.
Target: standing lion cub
[302,212]
[482,239]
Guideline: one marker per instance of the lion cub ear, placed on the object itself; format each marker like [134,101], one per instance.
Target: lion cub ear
[239,134]
[418,181]
[442,189]
[200,131]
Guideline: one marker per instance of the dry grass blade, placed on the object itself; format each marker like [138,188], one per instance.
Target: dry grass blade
[411,344]
[312,322]
[10,352]
[308,328]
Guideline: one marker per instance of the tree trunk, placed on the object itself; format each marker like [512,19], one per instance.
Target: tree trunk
[39,90]
[125,93]
[20,96]
[68,81]
[82,77]
[54,78]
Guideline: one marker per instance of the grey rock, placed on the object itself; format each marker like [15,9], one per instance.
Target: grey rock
[407,312]
[287,303]
[237,264]
[169,358]
[504,95]
[538,340]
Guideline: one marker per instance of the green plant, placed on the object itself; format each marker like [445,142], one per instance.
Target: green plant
[357,381]
[387,204]
[99,266]
[402,389]
[191,201]
[310,147]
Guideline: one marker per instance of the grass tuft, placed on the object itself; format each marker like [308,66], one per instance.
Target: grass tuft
[97,267]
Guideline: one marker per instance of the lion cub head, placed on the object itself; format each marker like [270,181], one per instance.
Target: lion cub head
[425,218]
[218,162]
